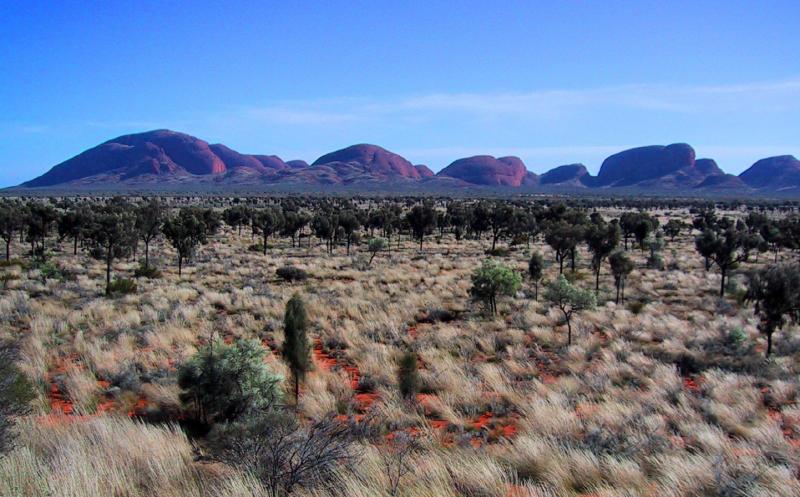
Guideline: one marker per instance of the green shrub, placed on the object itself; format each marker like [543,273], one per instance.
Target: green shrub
[291,273]
[256,247]
[147,272]
[122,286]
[498,252]
[636,306]
[492,279]
[408,375]
[223,382]
[737,337]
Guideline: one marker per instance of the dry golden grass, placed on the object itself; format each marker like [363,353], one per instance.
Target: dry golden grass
[610,416]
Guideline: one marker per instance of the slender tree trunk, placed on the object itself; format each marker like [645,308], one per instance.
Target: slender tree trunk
[616,301]
[722,283]
[265,243]
[560,264]
[597,281]
[75,246]
[108,272]
[623,290]
[370,258]
[147,254]
[769,343]
[421,239]
[180,264]
[569,330]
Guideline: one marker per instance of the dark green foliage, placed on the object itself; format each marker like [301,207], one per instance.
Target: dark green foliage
[421,219]
[376,245]
[224,382]
[636,306]
[408,376]
[570,300]
[601,238]
[723,248]
[73,224]
[621,267]
[291,273]
[122,286]
[673,228]
[775,291]
[11,220]
[267,222]
[296,348]
[16,393]
[149,220]
[563,237]
[349,224]
[39,219]
[324,226]
[284,453]
[535,272]
[148,272]
[185,232]
[493,279]
[112,233]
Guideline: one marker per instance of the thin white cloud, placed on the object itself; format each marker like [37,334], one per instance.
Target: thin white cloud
[536,105]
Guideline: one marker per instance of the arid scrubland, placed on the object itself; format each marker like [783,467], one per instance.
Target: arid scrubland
[666,394]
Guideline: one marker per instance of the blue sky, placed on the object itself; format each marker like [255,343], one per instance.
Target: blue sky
[551,82]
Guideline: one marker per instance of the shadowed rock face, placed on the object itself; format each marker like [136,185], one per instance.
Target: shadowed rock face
[570,174]
[424,171]
[708,167]
[644,163]
[782,171]
[490,171]
[297,164]
[164,157]
[160,152]
[372,160]
[723,182]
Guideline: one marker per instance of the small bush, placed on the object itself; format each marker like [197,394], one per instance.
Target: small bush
[6,277]
[636,306]
[256,247]
[291,273]
[147,272]
[498,252]
[655,261]
[122,286]
[408,375]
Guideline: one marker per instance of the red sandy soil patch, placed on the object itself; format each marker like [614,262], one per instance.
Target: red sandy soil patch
[62,409]
[513,490]
[327,362]
[790,426]
[692,384]
[601,335]
[677,441]
[745,452]
[586,410]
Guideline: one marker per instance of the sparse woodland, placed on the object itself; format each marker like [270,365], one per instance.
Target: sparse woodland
[398,347]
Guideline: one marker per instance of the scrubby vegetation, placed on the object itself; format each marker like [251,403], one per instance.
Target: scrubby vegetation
[395,347]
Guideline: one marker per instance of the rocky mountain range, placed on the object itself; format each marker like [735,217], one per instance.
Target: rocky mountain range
[169,160]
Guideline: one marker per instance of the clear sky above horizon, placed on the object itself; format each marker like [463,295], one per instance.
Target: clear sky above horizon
[552,82]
